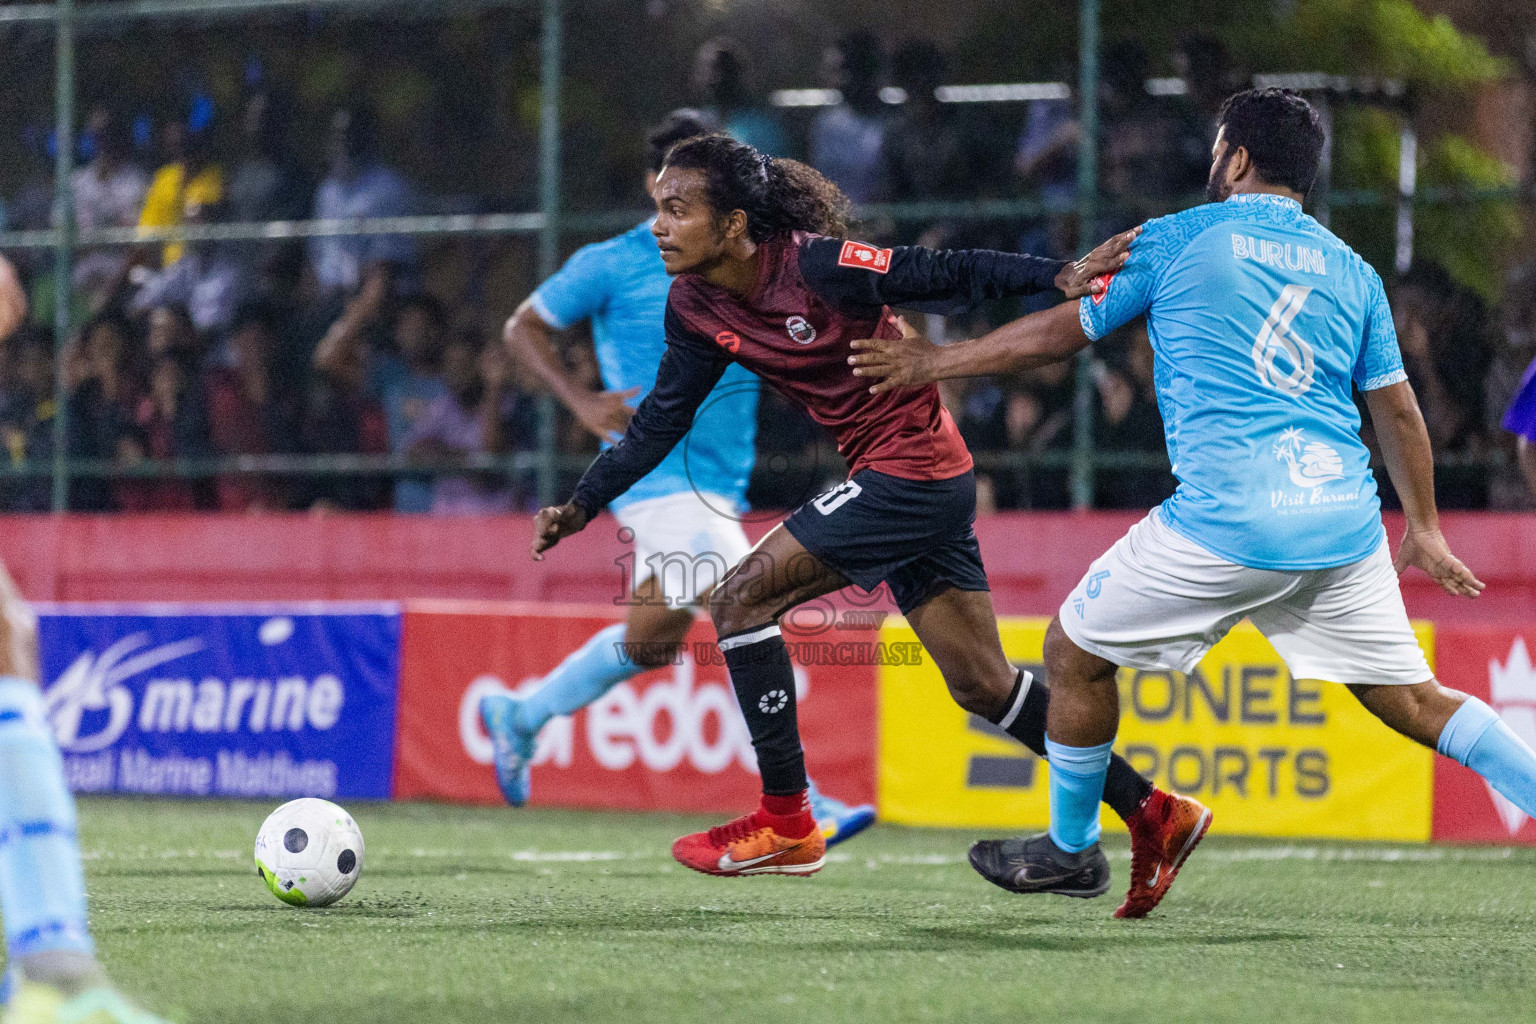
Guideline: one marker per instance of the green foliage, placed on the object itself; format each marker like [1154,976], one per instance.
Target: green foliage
[1390,38]
[1393,39]
[1470,239]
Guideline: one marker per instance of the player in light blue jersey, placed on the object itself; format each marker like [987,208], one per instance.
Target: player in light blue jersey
[52,974]
[1262,324]
[684,516]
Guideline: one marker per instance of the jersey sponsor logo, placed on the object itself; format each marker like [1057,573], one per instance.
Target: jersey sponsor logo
[1512,687]
[1103,279]
[1280,255]
[857,254]
[800,330]
[1309,462]
[1276,340]
[1310,465]
[729,340]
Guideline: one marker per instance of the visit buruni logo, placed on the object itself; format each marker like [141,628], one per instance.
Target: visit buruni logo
[1512,687]
[95,700]
[1309,463]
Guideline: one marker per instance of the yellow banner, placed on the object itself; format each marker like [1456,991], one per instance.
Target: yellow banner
[1269,754]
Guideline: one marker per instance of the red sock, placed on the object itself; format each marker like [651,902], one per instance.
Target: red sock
[789,816]
[786,806]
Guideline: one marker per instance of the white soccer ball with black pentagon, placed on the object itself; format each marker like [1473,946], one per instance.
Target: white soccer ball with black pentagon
[309,852]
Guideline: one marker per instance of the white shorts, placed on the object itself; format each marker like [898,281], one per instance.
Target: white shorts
[686,540]
[1159,601]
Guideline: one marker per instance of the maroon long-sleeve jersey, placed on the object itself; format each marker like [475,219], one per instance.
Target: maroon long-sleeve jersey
[813,296]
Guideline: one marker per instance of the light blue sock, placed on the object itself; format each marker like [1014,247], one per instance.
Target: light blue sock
[42,887]
[1077,786]
[1477,737]
[588,673]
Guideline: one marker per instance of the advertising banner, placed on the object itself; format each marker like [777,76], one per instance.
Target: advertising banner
[668,739]
[279,700]
[1271,755]
[1493,663]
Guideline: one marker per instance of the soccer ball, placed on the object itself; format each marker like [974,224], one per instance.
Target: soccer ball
[309,852]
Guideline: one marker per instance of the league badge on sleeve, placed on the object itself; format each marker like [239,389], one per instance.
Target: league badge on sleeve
[1100,296]
[857,254]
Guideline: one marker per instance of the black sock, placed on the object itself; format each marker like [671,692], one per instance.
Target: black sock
[765,689]
[1023,718]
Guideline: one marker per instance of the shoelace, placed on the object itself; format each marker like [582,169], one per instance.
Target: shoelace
[731,831]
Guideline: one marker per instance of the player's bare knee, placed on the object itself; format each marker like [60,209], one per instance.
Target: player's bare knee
[976,693]
[654,643]
[730,608]
[1418,711]
[653,653]
[1059,652]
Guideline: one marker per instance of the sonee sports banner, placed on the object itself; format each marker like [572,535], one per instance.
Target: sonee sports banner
[1271,755]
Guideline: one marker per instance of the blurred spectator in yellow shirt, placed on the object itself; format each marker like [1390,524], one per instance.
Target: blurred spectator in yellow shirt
[190,179]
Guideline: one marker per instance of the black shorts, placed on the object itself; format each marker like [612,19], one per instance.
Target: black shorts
[916,535]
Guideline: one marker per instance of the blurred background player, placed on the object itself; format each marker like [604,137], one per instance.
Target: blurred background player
[1520,420]
[54,975]
[683,517]
[1251,305]
[765,280]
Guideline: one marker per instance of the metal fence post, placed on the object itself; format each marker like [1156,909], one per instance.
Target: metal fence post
[1087,209]
[549,234]
[64,224]
[1407,183]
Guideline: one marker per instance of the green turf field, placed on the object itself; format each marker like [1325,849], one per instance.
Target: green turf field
[479,915]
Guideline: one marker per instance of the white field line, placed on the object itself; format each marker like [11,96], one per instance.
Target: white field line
[1286,852]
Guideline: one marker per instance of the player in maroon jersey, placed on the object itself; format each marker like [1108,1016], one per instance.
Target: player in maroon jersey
[762,278]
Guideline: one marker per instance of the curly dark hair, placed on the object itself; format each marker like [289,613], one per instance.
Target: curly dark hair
[683,123]
[777,195]
[1281,132]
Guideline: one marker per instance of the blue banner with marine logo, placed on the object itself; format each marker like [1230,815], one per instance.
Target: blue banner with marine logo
[234,701]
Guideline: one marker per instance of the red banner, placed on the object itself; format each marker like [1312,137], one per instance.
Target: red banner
[1493,663]
[671,739]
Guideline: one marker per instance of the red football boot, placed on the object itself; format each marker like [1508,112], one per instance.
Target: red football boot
[1165,830]
[756,844]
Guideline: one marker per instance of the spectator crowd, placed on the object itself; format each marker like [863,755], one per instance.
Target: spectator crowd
[338,345]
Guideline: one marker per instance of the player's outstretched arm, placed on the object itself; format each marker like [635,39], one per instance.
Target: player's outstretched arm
[1411,465]
[853,276]
[689,370]
[1034,340]
[529,340]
